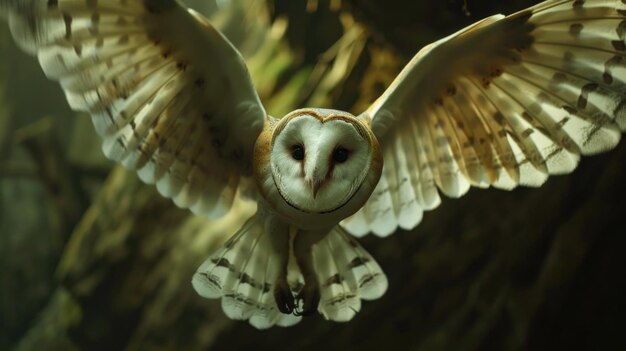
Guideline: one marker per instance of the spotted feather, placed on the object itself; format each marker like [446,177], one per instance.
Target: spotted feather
[505,102]
[151,75]
[243,273]
[346,274]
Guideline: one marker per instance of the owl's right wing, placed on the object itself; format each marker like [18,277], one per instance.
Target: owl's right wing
[171,97]
[505,102]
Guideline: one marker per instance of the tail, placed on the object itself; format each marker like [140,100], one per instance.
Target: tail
[346,274]
[243,273]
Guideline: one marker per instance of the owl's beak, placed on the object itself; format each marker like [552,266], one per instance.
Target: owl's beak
[314,185]
[315,175]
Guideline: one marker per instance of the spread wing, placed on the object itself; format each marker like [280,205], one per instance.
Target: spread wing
[505,102]
[170,96]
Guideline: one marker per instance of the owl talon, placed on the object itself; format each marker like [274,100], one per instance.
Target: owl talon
[284,298]
[310,297]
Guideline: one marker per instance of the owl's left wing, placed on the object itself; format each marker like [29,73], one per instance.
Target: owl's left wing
[505,102]
[170,96]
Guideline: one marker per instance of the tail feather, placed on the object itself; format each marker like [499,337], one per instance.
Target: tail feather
[339,300]
[242,273]
[347,273]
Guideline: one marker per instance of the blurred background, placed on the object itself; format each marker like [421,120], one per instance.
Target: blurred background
[92,259]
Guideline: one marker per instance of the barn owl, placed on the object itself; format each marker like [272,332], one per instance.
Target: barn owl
[506,101]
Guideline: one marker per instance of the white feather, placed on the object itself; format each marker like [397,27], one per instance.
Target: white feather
[243,273]
[147,77]
[347,273]
[504,102]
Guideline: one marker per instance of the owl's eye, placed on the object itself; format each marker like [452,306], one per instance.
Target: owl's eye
[340,155]
[297,152]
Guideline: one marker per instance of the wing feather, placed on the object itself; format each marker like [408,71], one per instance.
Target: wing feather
[170,96]
[507,101]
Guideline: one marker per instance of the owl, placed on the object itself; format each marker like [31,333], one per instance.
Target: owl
[507,101]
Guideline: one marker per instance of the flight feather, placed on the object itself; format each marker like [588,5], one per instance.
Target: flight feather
[507,101]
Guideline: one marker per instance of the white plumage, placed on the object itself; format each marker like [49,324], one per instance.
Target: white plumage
[243,274]
[507,101]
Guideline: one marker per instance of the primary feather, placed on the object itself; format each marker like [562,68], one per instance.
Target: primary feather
[507,101]
[168,93]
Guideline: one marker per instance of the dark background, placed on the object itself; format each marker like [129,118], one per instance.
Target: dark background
[91,259]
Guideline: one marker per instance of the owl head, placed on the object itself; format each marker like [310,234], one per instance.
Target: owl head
[321,162]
